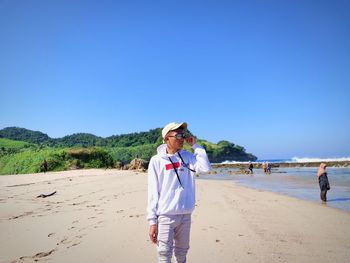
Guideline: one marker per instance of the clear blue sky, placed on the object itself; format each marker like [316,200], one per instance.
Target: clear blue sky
[272,76]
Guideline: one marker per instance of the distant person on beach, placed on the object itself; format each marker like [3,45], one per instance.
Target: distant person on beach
[263,166]
[171,191]
[251,167]
[44,166]
[322,179]
[268,167]
[122,165]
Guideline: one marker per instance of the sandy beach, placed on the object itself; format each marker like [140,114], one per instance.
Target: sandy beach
[100,216]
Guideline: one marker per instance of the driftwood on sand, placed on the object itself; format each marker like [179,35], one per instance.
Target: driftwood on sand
[46,195]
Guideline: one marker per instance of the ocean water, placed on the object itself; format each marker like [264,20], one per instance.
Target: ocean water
[296,182]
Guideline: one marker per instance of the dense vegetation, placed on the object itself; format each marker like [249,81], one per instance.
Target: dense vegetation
[30,160]
[83,139]
[23,151]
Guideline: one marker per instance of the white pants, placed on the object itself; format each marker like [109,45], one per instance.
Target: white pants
[173,228]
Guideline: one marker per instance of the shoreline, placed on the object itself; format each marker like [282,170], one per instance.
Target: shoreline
[99,216]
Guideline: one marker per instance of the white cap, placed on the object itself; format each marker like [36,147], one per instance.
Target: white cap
[173,126]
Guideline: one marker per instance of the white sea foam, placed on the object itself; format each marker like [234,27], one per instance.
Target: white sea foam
[233,162]
[310,160]
[294,160]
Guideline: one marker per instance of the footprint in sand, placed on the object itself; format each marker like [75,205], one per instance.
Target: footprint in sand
[136,215]
[81,203]
[75,244]
[63,241]
[22,215]
[50,235]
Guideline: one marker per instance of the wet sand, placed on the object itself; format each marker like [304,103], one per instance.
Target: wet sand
[99,216]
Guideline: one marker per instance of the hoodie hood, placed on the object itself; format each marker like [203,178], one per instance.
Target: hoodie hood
[161,151]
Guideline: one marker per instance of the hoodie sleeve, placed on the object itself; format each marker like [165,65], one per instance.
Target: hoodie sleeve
[201,161]
[153,193]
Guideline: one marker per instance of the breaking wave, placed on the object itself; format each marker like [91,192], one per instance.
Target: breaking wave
[311,160]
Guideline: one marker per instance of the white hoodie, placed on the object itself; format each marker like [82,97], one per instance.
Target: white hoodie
[166,196]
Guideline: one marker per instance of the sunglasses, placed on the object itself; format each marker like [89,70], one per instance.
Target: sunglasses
[179,136]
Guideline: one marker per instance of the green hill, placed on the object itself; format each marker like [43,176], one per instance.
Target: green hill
[21,134]
[226,151]
[80,139]
[135,139]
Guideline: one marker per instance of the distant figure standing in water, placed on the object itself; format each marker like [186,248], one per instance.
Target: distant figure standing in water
[251,167]
[322,179]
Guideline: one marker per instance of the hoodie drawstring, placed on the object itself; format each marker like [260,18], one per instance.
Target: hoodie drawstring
[177,174]
[185,163]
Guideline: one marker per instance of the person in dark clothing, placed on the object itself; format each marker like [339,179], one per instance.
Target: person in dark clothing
[251,167]
[322,179]
[44,166]
[268,168]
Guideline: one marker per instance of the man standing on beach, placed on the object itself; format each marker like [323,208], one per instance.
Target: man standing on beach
[171,191]
[44,165]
